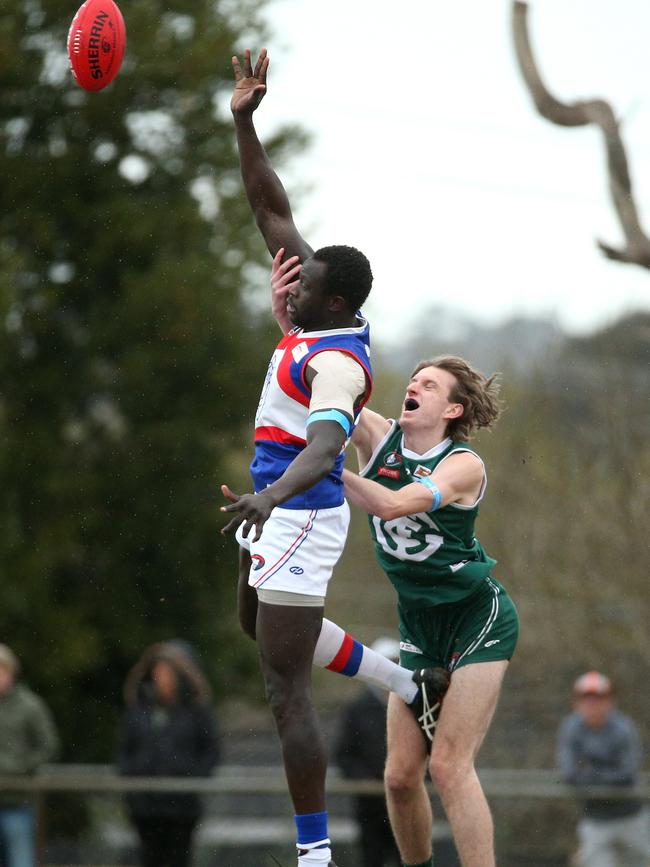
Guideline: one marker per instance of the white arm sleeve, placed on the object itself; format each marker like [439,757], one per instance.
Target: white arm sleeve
[339,382]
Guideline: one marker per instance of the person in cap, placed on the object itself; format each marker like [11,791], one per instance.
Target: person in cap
[360,751]
[600,746]
[28,739]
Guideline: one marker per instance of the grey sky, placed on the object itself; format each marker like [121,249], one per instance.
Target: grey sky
[429,156]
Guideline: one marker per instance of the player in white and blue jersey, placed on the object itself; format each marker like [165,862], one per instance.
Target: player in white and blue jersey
[296,521]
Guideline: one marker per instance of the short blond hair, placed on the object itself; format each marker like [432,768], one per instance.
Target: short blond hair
[477,394]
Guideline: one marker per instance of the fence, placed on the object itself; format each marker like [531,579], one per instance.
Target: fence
[249,807]
[235,779]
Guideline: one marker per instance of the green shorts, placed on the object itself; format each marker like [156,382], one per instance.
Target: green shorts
[482,628]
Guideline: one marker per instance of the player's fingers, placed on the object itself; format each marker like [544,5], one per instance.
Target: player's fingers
[228,494]
[248,70]
[291,262]
[277,261]
[290,276]
[247,526]
[233,507]
[260,61]
[232,525]
[236,67]
[264,69]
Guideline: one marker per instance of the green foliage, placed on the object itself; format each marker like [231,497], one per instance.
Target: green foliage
[128,364]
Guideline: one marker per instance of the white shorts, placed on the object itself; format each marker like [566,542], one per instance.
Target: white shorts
[298,549]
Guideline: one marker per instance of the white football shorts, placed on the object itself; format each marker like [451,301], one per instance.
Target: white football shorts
[298,549]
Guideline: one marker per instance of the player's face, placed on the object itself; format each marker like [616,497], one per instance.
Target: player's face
[427,402]
[307,303]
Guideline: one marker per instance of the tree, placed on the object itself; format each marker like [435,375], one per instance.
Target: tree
[581,113]
[128,362]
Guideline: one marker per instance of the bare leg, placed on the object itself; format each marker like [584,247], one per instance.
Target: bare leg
[286,637]
[371,667]
[465,717]
[246,595]
[409,807]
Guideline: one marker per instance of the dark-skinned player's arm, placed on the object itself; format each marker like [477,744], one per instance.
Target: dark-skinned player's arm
[325,439]
[264,190]
[458,479]
[337,384]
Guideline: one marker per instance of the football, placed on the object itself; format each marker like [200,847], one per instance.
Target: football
[96,43]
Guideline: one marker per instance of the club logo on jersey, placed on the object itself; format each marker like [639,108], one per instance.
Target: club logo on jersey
[393,459]
[421,471]
[386,471]
[409,647]
[299,351]
[257,562]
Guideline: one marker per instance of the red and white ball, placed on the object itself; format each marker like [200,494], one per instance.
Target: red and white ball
[96,43]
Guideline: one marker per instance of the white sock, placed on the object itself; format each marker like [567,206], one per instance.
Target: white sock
[315,856]
[338,651]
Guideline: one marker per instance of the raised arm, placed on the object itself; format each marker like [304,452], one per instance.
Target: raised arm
[457,480]
[266,195]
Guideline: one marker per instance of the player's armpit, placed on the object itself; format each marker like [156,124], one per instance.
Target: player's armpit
[370,430]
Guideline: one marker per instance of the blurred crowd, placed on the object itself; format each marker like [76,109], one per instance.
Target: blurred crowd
[169,729]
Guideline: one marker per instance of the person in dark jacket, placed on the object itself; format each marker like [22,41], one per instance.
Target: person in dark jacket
[168,730]
[360,752]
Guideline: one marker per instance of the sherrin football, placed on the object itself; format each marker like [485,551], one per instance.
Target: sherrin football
[96,43]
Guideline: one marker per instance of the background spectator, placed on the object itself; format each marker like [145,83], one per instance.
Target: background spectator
[598,745]
[28,739]
[169,729]
[360,752]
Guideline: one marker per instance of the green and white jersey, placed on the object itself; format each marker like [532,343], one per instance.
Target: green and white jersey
[431,558]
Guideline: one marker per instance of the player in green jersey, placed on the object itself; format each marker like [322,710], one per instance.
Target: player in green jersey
[421,485]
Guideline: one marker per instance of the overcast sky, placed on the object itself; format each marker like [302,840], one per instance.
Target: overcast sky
[428,155]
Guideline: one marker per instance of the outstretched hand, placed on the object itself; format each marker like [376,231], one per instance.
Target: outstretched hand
[252,510]
[250,84]
[284,277]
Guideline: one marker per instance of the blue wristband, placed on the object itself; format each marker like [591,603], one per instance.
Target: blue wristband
[435,490]
[331,415]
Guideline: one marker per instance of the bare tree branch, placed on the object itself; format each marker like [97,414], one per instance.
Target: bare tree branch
[581,113]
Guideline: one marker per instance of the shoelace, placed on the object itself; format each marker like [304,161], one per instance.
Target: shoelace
[427,719]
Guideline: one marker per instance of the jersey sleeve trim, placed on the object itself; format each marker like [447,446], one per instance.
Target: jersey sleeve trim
[481,492]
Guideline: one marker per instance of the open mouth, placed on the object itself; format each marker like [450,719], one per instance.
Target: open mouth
[410,404]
